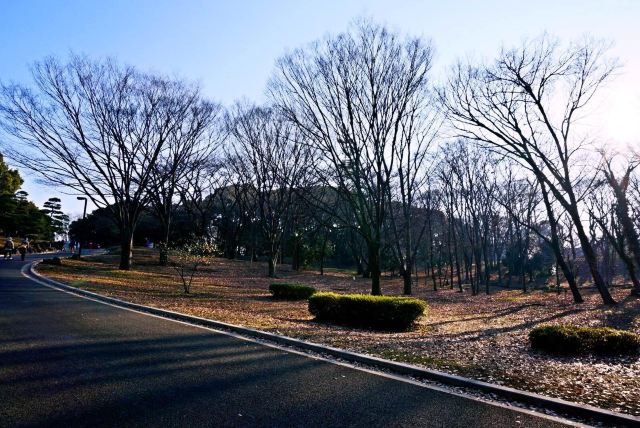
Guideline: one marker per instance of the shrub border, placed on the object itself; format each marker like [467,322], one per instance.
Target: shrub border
[555,404]
[355,310]
[291,286]
[539,338]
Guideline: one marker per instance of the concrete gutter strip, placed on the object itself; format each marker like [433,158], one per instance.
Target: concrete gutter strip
[555,404]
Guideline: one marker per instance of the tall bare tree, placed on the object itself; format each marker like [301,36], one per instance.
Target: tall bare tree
[190,143]
[470,174]
[97,128]
[525,105]
[349,95]
[197,191]
[613,214]
[409,187]
[520,198]
[269,159]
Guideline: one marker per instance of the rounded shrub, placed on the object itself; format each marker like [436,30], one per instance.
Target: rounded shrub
[573,340]
[362,310]
[610,341]
[286,291]
[556,339]
[56,261]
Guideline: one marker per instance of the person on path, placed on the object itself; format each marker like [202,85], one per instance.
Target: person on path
[8,248]
[22,249]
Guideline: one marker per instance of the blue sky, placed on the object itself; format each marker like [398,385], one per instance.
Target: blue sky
[230,46]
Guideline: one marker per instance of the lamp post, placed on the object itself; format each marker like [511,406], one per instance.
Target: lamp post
[84,215]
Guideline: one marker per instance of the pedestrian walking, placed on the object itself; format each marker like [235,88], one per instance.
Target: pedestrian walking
[8,248]
[23,248]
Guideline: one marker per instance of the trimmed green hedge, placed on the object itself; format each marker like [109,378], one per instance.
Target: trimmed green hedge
[291,291]
[362,310]
[572,340]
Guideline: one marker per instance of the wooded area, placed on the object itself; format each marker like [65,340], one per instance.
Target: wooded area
[487,179]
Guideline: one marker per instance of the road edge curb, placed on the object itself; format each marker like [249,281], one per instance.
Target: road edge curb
[555,404]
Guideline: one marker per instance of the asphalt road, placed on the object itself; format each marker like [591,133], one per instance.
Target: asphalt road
[69,361]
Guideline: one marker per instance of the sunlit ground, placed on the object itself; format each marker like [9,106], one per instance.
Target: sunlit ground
[480,336]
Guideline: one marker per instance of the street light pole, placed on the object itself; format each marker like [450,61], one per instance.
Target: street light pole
[84,215]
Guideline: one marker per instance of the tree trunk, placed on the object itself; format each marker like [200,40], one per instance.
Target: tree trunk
[164,253]
[272,267]
[126,249]
[557,251]
[406,269]
[230,247]
[487,271]
[164,215]
[458,269]
[359,267]
[406,278]
[627,260]
[433,274]
[479,274]
[295,256]
[164,246]
[374,269]
[450,260]
[323,250]
[630,234]
[632,274]
[568,275]
[592,260]
[587,249]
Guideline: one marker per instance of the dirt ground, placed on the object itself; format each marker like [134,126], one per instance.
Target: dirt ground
[484,336]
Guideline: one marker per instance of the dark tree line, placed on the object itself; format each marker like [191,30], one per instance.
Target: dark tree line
[19,217]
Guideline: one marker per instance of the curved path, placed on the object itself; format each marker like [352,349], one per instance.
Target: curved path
[69,361]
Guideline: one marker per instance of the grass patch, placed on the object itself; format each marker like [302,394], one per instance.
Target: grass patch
[515,296]
[345,271]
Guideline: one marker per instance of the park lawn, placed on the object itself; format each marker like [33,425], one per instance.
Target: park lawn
[484,336]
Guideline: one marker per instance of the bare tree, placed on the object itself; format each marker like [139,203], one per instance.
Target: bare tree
[613,213]
[525,105]
[454,229]
[269,159]
[409,188]
[97,128]
[191,142]
[520,198]
[197,191]
[470,174]
[350,95]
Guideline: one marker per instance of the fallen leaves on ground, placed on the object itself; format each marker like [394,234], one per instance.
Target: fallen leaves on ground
[483,336]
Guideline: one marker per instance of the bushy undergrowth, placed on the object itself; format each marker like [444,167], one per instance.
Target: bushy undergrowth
[186,260]
[291,291]
[361,310]
[56,261]
[573,340]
